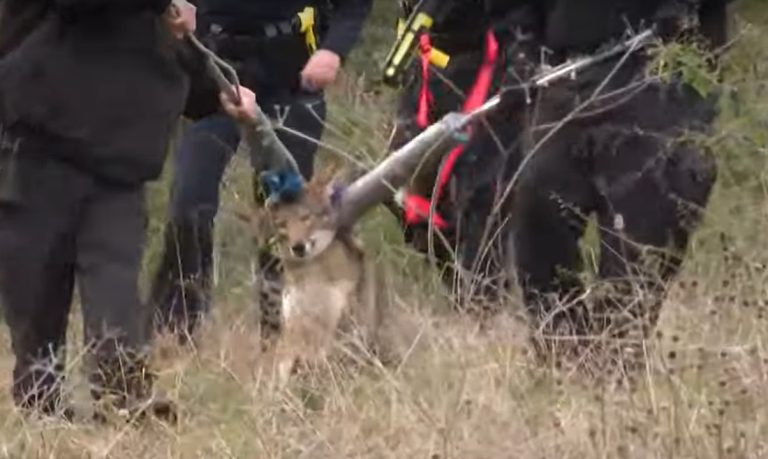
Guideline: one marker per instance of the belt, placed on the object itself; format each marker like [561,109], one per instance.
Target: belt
[303,23]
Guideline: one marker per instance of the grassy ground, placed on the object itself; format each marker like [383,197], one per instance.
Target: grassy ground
[462,393]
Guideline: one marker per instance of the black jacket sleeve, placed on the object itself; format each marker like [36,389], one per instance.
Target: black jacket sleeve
[85,6]
[17,20]
[345,24]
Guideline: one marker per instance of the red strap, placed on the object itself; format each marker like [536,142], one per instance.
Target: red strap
[417,207]
[425,95]
[479,92]
[417,210]
[476,98]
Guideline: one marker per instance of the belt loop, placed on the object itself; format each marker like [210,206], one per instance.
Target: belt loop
[270,30]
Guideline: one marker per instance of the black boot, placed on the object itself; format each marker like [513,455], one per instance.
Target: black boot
[181,292]
[37,387]
[122,387]
[481,254]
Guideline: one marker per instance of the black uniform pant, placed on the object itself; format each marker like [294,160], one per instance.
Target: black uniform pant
[635,162]
[61,228]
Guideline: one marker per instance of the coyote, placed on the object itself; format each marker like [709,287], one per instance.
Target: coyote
[332,293]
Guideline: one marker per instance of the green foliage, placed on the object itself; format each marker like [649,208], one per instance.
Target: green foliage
[368,58]
[686,61]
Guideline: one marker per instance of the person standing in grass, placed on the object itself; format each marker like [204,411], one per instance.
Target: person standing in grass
[486,44]
[90,92]
[629,158]
[623,144]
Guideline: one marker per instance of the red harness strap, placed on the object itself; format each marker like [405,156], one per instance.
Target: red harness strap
[417,211]
[425,95]
[417,207]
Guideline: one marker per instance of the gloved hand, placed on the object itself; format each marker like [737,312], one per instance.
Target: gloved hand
[245,111]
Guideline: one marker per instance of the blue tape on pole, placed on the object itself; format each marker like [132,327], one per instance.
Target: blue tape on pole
[282,186]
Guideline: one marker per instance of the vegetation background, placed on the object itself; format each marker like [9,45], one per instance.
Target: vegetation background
[462,393]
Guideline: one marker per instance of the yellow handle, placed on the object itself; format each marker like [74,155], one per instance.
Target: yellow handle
[439,58]
[406,44]
[307,21]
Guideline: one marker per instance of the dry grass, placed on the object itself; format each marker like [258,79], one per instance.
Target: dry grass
[462,392]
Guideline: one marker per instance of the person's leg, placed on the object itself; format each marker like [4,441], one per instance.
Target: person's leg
[110,245]
[37,251]
[182,284]
[552,202]
[481,246]
[654,192]
[480,195]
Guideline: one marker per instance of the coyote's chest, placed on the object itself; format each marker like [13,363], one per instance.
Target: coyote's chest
[325,287]
[325,299]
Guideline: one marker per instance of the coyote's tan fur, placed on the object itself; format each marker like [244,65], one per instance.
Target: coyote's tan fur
[332,294]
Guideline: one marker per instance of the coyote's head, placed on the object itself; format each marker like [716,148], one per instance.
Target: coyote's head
[305,227]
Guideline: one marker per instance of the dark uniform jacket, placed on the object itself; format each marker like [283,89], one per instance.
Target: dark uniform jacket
[99,76]
[586,24]
[344,18]
[577,25]
[270,65]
